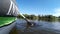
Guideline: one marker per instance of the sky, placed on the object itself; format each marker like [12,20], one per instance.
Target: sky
[39,7]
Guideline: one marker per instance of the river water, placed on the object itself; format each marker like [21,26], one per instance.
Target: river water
[41,27]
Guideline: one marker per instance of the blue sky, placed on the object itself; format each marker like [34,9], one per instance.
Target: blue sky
[39,7]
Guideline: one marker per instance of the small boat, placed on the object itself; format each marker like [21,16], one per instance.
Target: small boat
[6,29]
[8,8]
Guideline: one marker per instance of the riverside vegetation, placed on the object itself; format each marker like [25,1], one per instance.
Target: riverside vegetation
[39,17]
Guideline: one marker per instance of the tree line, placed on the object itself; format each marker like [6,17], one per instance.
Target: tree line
[39,17]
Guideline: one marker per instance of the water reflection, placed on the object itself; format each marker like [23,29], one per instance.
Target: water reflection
[42,27]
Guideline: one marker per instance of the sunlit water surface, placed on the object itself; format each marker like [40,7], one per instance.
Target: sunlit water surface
[41,27]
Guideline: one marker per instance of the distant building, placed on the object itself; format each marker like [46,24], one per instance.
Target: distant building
[8,7]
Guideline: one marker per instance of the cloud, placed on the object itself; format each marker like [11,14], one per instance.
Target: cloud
[56,12]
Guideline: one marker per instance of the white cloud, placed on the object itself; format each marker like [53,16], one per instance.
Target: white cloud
[56,12]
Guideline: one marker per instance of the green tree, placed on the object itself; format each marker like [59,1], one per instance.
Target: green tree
[19,16]
[39,17]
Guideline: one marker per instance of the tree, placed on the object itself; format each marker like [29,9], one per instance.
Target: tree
[39,17]
[19,16]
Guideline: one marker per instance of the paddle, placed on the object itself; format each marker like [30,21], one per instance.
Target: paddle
[28,22]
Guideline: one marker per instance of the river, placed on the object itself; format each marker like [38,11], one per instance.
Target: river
[41,27]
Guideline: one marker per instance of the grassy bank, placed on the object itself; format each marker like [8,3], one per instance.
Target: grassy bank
[6,20]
